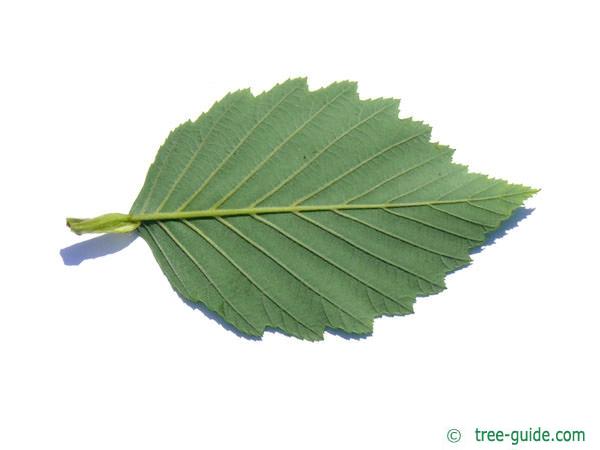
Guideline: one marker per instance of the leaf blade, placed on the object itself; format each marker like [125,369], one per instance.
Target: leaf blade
[306,210]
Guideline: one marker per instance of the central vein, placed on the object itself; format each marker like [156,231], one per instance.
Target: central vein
[304,208]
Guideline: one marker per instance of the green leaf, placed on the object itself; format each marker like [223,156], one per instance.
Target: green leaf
[303,211]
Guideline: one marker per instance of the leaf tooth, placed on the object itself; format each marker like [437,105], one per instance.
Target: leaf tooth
[351,87]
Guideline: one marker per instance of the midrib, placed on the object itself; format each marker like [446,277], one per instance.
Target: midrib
[157,216]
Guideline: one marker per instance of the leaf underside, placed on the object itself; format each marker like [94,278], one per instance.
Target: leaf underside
[305,271]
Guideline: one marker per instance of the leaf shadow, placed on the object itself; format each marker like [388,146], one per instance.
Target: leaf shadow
[96,247]
[227,326]
[348,336]
[512,222]
[218,319]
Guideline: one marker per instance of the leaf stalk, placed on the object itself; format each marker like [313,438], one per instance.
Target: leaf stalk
[106,223]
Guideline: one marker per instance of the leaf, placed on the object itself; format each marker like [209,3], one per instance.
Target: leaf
[303,211]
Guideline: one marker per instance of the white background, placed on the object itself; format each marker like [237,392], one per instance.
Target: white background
[104,355]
